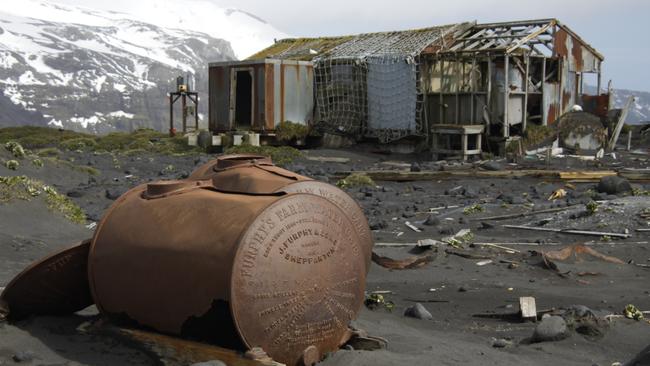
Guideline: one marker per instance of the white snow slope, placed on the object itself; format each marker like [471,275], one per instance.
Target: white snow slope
[80,67]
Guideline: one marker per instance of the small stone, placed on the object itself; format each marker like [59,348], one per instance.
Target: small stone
[378,224]
[553,328]
[209,363]
[415,167]
[462,289]
[491,165]
[500,343]
[407,214]
[418,311]
[23,356]
[432,220]
[75,193]
[113,194]
[613,185]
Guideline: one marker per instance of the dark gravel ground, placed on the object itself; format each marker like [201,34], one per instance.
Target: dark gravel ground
[451,287]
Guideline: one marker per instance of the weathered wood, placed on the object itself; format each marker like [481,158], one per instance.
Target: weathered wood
[522,214]
[527,308]
[620,123]
[586,176]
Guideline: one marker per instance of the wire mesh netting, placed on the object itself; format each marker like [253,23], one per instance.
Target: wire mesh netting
[341,95]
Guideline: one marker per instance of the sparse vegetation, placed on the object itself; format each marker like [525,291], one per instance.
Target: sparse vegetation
[24,188]
[80,168]
[536,134]
[12,164]
[592,207]
[473,209]
[37,163]
[355,180]
[16,149]
[281,155]
[50,141]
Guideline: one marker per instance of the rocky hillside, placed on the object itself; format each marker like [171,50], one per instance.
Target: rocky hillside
[100,71]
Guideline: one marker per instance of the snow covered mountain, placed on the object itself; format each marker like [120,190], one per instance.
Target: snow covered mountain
[101,71]
[640,111]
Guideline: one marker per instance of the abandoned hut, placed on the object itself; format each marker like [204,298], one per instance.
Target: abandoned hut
[451,85]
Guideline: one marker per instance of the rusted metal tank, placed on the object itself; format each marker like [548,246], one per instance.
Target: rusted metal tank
[257,174]
[285,272]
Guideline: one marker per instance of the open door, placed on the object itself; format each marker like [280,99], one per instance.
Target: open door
[241,113]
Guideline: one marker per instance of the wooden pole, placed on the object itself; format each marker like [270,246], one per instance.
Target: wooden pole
[184,107]
[525,110]
[629,140]
[544,109]
[171,115]
[506,94]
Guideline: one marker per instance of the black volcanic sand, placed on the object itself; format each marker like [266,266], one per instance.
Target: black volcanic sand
[452,288]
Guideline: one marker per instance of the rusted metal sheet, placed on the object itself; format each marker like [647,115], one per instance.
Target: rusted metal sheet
[283,272]
[257,174]
[55,285]
[269,98]
[282,90]
[596,104]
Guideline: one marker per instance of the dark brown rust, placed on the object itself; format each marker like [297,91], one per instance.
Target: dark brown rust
[290,267]
[257,174]
[55,285]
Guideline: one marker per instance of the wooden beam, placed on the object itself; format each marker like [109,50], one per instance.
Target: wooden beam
[557,175]
[620,123]
[531,36]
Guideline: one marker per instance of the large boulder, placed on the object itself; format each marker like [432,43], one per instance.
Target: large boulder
[614,185]
[552,328]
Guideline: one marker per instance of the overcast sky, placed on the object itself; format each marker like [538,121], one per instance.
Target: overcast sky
[617,28]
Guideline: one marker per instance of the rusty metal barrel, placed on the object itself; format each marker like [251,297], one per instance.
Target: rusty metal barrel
[285,272]
[248,173]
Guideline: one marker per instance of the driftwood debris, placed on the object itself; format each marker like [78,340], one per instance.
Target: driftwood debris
[406,263]
[574,251]
[569,231]
[522,214]
[408,176]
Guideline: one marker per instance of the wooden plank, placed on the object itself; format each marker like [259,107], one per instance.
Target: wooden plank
[527,308]
[408,176]
[620,123]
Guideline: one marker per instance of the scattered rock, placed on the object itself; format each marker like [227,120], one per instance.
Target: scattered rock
[432,220]
[75,193]
[491,165]
[552,328]
[113,194]
[501,343]
[415,167]
[378,224]
[408,214]
[209,363]
[418,311]
[23,356]
[614,185]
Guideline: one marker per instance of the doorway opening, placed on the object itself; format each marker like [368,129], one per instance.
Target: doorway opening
[243,99]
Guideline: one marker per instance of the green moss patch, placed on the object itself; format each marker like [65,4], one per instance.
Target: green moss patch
[48,140]
[26,189]
[290,131]
[356,180]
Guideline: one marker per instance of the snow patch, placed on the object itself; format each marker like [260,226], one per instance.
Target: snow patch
[83,121]
[121,114]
